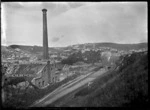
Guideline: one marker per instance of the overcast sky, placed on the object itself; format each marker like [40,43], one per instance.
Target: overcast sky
[74,22]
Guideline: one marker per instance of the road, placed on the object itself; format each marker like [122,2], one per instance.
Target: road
[67,88]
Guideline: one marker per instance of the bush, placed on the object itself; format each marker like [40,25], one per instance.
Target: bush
[91,56]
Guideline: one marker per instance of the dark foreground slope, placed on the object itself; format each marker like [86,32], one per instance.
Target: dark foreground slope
[126,86]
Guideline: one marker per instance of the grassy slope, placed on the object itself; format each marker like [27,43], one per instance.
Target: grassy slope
[125,87]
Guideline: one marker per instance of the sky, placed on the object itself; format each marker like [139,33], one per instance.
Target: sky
[72,23]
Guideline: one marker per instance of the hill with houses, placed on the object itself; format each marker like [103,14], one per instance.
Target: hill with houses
[125,47]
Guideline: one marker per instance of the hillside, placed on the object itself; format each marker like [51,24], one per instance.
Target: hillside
[125,47]
[124,87]
[32,49]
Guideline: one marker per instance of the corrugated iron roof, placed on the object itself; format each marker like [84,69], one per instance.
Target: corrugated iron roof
[28,69]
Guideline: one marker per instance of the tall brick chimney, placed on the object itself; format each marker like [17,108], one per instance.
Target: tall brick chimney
[45,35]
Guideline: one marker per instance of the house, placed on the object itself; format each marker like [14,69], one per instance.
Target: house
[49,74]
[23,84]
[43,78]
[41,75]
[62,77]
[56,77]
[23,70]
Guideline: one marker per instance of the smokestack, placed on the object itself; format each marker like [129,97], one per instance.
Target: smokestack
[45,34]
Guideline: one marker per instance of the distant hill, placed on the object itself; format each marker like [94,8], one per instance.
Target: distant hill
[32,49]
[125,47]
[27,48]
